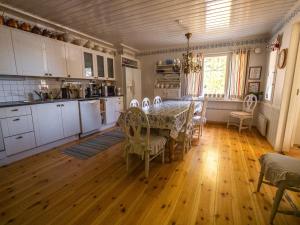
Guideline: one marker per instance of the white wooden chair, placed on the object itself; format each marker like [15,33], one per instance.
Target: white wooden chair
[146,103]
[134,103]
[144,144]
[199,120]
[157,100]
[249,106]
[185,136]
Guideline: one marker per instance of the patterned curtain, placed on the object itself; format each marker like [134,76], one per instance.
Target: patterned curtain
[238,73]
[191,84]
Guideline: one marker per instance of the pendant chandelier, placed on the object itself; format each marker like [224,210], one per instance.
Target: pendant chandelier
[191,63]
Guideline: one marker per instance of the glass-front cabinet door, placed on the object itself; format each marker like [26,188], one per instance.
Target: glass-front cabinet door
[110,68]
[100,66]
[88,70]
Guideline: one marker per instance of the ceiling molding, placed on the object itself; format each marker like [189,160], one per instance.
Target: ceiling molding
[210,45]
[286,19]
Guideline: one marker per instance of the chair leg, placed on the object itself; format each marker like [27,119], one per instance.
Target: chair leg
[146,164]
[163,157]
[277,199]
[250,125]
[241,125]
[199,131]
[260,180]
[127,162]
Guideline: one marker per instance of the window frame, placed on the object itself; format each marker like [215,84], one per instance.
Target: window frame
[274,77]
[228,60]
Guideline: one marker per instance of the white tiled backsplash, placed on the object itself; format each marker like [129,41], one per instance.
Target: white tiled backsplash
[17,89]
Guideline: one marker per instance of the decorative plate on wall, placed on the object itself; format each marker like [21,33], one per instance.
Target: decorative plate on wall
[282,58]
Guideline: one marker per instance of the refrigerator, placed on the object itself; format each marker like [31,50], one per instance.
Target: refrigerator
[133,89]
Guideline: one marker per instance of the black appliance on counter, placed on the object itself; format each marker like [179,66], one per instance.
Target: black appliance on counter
[108,91]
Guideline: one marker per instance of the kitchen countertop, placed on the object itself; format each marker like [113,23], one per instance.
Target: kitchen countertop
[21,103]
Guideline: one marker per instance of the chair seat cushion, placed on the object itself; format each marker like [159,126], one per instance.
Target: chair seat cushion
[240,114]
[198,120]
[280,168]
[157,143]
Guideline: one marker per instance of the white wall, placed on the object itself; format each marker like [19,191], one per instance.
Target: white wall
[274,110]
[148,63]
[297,136]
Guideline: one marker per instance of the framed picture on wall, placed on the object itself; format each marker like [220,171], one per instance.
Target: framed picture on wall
[254,72]
[253,87]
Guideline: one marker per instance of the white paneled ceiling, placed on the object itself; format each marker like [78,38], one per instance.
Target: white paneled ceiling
[151,24]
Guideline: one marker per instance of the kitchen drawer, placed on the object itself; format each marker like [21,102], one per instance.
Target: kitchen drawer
[16,125]
[19,143]
[15,111]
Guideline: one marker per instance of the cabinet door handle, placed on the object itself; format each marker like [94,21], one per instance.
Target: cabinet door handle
[20,137]
[62,105]
[16,119]
[57,105]
[14,110]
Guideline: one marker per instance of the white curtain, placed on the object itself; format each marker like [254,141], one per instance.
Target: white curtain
[238,73]
[191,84]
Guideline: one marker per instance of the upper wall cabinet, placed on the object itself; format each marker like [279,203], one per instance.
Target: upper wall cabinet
[88,64]
[29,53]
[100,60]
[110,68]
[74,61]
[56,58]
[7,58]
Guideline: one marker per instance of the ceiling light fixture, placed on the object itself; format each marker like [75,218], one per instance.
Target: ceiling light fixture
[191,63]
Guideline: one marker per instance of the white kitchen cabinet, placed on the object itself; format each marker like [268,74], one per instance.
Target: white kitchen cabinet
[14,111]
[55,57]
[47,122]
[54,121]
[7,57]
[110,67]
[19,143]
[16,125]
[74,61]
[101,66]
[70,118]
[89,65]
[29,53]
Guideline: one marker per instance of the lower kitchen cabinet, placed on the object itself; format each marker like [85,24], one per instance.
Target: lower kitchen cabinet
[19,143]
[54,121]
[47,122]
[113,108]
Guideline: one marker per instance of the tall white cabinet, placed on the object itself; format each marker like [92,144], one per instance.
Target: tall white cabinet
[7,58]
[132,85]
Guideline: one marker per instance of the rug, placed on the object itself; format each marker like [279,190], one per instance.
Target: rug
[93,146]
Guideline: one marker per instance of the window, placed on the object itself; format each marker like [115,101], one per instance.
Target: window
[271,76]
[214,74]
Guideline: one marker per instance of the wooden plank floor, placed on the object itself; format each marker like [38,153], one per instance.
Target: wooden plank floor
[214,184]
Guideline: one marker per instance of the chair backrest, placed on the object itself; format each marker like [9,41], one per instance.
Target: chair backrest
[134,103]
[146,103]
[189,118]
[134,119]
[249,104]
[204,107]
[157,100]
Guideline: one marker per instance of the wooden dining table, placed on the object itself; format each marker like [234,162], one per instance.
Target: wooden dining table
[169,116]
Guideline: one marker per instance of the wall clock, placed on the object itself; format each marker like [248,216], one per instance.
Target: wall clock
[282,58]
